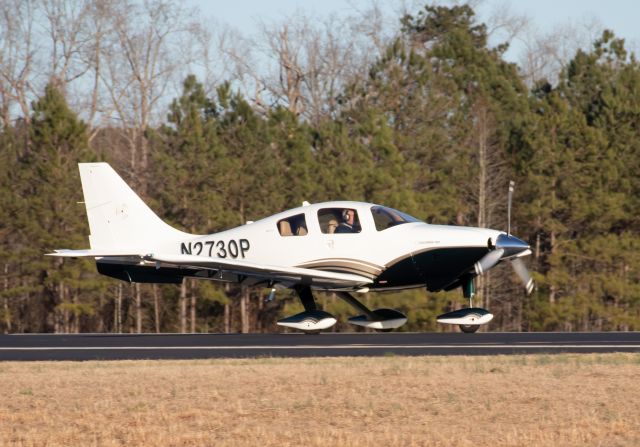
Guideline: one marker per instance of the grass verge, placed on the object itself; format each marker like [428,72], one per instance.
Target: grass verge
[573,399]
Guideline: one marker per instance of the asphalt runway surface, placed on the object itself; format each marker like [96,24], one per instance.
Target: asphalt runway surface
[202,346]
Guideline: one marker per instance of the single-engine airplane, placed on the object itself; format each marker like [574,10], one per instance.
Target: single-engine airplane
[342,247]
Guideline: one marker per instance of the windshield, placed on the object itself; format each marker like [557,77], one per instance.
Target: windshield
[388,217]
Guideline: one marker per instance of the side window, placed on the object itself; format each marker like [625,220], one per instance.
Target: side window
[339,220]
[293,226]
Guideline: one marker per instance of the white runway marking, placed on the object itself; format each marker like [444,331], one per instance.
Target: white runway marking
[321,347]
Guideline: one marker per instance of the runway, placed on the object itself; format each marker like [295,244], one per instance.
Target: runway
[81,347]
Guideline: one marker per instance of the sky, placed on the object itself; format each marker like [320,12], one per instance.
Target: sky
[619,15]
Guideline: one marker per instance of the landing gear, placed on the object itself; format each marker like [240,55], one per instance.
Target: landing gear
[470,319]
[468,291]
[312,320]
[382,320]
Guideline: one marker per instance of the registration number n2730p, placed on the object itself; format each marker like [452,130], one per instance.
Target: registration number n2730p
[221,249]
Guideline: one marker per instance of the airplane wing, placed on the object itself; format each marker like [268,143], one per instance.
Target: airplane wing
[282,274]
[294,275]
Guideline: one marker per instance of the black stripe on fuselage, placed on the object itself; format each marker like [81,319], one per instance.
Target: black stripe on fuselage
[436,268]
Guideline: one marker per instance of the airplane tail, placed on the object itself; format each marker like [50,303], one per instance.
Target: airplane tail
[118,218]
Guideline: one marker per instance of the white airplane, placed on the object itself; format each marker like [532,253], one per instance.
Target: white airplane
[342,247]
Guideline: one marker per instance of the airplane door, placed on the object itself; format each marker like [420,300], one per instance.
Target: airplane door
[342,235]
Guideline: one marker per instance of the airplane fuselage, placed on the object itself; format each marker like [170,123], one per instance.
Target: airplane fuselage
[405,255]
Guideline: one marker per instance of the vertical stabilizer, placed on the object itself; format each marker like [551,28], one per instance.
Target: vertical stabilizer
[118,218]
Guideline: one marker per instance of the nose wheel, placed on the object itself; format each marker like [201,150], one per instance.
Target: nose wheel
[469,328]
[470,319]
[469,291]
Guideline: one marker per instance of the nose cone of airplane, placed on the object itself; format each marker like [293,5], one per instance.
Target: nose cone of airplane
[511,245]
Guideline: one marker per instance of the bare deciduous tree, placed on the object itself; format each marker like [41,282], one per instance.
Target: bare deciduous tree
[95,106]
[545,55]
[150,47]
[17,56]
[303,63]
[66,27]
[490,190]
[504,25]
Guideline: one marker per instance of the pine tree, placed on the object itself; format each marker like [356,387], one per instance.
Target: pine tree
[10,290]
[579,176]
[51,215]
[290,140]
[258,186]
[190,170]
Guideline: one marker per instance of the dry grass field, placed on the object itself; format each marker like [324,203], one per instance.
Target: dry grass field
[558,400]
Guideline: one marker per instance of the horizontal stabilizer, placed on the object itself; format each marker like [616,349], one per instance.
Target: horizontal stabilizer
[91,253]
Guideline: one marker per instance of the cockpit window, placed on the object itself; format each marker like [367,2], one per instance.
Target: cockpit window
[293,226]
[388,217]
[339,220]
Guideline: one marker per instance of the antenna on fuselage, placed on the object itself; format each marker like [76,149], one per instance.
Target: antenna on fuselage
[510,197]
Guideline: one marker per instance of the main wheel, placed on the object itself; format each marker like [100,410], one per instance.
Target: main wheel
[469,328]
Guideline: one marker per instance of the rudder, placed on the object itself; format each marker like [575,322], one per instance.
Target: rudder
[118,218]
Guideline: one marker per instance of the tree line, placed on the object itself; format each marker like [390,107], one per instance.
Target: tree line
[435,125]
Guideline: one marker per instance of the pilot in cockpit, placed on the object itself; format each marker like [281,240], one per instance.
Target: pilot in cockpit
[348,224]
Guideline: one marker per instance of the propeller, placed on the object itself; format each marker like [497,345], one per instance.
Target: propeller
[523,274]
[517,263]
[488,260]
[510,247]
